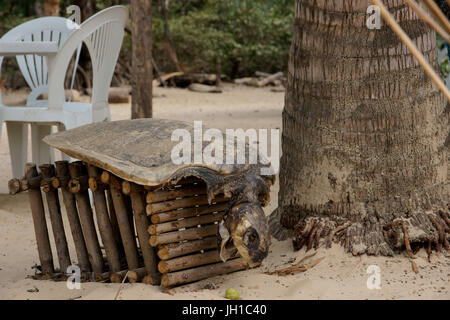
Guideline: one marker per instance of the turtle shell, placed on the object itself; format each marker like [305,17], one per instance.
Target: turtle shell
[135,150]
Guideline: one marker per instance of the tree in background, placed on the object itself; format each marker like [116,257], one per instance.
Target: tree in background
[365,132]
[51,7]
[141,59]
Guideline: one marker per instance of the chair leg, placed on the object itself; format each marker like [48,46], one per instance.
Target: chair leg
[62,127]
[41,152]
[18,145]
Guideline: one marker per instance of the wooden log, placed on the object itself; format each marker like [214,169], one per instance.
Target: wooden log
[40,225]
[154,279]
[172,250]
[54,208]
[189,261]
[62,172]
[200,273]
[204,88]
[118,95]
[264,82]
[148,253]
[104,224]
[78,184]
[136,275]
[17,185]
[114,223]
[117,277]
[164,195]
[126,231]
[108,178]
[77,170]
[188,234]
[185,223]
[165,206]
[188,212]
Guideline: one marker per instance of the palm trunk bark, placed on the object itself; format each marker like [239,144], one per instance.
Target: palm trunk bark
[365,132]
[141,82]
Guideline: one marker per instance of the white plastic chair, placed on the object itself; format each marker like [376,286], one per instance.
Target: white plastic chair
[34,69]
[103,34]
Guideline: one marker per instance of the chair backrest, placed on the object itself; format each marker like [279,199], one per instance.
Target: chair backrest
[103,34]
[34,67]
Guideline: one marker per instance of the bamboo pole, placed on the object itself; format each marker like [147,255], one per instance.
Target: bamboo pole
[40,225]
[62,172]
[185,223]
[189,261]
[126,232]
[186,191]
[188,234]
[77,170]
[412,47]
[188,212]
[203,272]
[172,250]
[159,207]
[148,253]
[54,208]
[425,17]
[104,224]
[439,14]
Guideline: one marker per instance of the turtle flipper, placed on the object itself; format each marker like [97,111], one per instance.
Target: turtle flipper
[276,229]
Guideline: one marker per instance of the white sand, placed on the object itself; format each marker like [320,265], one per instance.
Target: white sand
[338,276]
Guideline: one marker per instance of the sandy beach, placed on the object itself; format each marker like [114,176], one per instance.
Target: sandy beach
[338,276]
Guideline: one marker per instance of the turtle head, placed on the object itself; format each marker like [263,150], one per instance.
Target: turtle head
[247,229]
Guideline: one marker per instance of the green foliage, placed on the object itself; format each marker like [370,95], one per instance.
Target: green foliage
[239,36]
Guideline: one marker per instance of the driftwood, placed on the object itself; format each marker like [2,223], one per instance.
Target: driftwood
[173,250]
[298,267]
[263,80]
[196,87]
[40,225]
[77,170]
[188,234]
[184,80]
[62,176]
[116,94]
[54,208]
[203,272]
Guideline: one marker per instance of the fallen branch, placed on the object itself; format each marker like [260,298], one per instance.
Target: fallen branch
[298,267]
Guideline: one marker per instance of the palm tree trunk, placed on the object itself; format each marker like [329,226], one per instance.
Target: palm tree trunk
[365,132]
